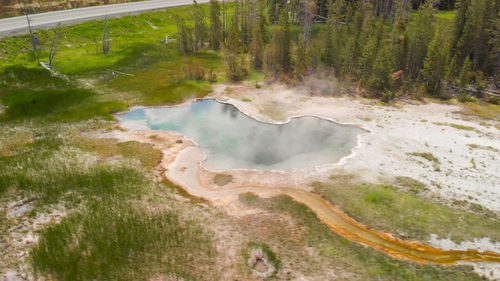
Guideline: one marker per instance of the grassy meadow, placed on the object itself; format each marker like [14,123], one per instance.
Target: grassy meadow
[139,69]
[387,208]
[45,159]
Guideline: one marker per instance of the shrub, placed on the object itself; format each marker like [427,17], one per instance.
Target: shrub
[465,97]
[194,71]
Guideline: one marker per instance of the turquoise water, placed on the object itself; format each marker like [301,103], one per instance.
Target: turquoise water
[233,140]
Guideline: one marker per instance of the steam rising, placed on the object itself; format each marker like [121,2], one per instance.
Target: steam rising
[233,140]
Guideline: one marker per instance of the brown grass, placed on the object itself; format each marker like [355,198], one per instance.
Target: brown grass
[486,111]
[221,179]
[107,148]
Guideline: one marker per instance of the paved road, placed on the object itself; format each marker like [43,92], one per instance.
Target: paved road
[18,25]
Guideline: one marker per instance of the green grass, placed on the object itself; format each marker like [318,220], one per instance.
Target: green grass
[104,235]
[81,43]
[57,105]
[116,241]
[461,127]
[487,111]
[477,146]
[157,68]
[271,256]
[426,155]
[32,93]
[44,157]
[447,15]
[256,77]
[162,80]
[51,172]
[364,118]
[146,154]
[385,208]
[34,78]
[456,126]
[414,185]
[366,263]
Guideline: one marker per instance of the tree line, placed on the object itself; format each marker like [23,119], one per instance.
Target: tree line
[386,45]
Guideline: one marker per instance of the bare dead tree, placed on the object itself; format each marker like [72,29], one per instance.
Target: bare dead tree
[224,21]
[35,41]
[54,45]
[105,37]
[307,17]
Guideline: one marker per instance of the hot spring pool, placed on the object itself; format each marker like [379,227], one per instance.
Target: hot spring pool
[233,140]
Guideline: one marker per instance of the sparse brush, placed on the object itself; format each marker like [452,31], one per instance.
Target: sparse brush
[194,72]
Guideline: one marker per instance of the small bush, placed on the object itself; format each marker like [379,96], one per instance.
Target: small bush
[426,155]
[211,76]
[194,71]
[461,127]
[378,197]
[465,97]
[413,184]
[388,96]
[236,70]
[271,256]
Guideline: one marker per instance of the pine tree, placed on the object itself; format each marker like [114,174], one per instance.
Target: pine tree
[278,58]
[274,8]
[236,68]
[257,44]
[328,33]
[380,80]
[245,24]
[451,70]
[334,36]
[474,40]
[215,25]
[373,31]
[495,50]
[184,38]
[460,19]
[465,42]
[399,38]
[199,26]
[354,46]
[277,54]
[436,63]
[465,73]
[420,32]
[487,12]
[286,41]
